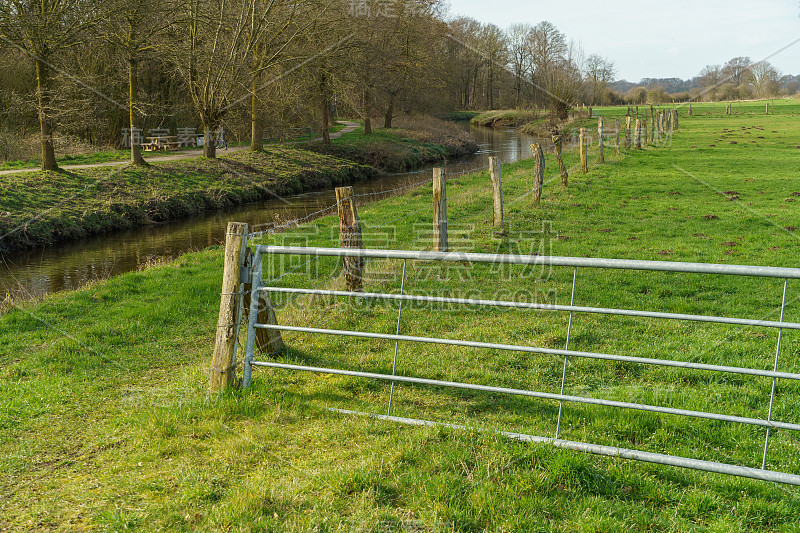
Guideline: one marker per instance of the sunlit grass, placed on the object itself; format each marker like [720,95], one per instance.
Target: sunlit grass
[105,422]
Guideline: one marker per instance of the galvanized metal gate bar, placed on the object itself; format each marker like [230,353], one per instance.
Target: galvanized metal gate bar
[657,266]
[542,307]
[542,260]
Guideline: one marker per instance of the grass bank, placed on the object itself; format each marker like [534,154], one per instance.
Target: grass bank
[535,123]
[105,424]
[39,208]
[506,118]
[414,142]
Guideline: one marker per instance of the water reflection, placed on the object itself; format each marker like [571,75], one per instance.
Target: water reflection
[71,265]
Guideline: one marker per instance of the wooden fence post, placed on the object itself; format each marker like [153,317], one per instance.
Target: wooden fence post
[690,111]
[562,168]
[584,151]
[231,304]
[496,175]
[600,155]
[652,126]
[674,119]
[628,132]
[616,145]
[637,135]
[268,341]
[766,111]
[656,127]
[538,172]
[440,210]
[350,235]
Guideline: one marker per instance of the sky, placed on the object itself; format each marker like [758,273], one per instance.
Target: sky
[647,39]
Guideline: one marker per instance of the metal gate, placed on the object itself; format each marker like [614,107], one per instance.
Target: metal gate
[768,424]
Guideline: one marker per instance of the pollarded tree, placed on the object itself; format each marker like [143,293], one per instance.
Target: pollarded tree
[211,47]
[42,29]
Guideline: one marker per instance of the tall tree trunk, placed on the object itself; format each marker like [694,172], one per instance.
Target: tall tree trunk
[325,109]
[367,112]
[43,97]
[133,88]
[490,88]
[209,142]
[256,127]
[387,117]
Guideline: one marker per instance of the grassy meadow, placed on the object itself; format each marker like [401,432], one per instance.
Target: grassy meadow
[106,425]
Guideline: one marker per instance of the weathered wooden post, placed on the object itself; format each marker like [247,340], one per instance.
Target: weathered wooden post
[495,173]
[440,210]
[637,135]
[223,369]
[628,132]
[538,172]
[652,126]
[644,132]
[766,110]
[674,119]
[656,127]
[584,151]
[689,114]
[267,340]
[600,155]
[590,112]
[350,236]
[562,168]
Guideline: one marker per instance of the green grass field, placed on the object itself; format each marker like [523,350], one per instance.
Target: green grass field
[105,422]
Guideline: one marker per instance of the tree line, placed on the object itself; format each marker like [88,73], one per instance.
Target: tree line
[91,68]
[738,79]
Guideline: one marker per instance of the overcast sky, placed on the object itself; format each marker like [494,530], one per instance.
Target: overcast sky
[647,39]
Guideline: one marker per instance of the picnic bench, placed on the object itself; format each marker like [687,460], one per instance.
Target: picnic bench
[161,142]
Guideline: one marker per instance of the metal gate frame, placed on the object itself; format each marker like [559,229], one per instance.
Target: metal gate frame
[530,260]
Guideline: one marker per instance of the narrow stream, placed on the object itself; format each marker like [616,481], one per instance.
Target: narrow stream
[70,265]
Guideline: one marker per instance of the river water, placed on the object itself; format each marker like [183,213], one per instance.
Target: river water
[70,265]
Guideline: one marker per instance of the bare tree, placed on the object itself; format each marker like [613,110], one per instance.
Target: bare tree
[519,50]
[43,29]
[135,27]
[736,70]
[212,46]
[599,73]
[493,49]
[557,68]
[764,78]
